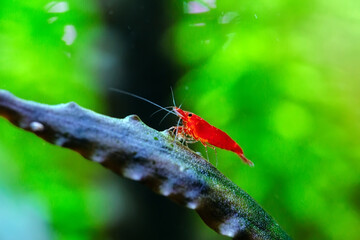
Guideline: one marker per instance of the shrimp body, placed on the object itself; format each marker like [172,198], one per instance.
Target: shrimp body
[196,128]
[200,130]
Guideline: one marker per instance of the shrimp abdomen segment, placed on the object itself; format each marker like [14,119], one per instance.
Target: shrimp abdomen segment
[215,137]
[218,138]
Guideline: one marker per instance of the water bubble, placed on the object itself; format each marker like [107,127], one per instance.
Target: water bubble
[52,19]
[57,7]
[69,34]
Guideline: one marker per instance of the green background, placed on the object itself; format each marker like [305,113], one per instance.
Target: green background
[280,77]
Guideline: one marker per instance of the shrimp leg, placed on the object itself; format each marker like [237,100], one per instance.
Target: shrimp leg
[210,146]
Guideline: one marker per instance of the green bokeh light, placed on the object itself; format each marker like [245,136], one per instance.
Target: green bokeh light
[282,78]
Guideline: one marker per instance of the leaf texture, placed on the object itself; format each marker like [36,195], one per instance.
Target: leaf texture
[135,151]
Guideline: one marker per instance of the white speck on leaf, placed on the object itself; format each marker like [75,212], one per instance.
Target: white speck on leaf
[36,126]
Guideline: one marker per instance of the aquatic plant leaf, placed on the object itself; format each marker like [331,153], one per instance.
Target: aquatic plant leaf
[135,151]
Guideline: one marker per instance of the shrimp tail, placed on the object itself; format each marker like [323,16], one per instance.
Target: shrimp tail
[247,161]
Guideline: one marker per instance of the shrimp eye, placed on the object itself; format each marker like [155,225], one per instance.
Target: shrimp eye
[190,114]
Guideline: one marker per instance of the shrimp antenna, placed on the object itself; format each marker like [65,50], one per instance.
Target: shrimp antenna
[187,94]
[160,110]
[163,118]
[172,94]
[141,98]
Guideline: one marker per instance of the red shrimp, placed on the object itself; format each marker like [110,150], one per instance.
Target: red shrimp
[200,130]
[196,128]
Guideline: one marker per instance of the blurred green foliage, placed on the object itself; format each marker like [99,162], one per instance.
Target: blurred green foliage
[280,77]
[47,192]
